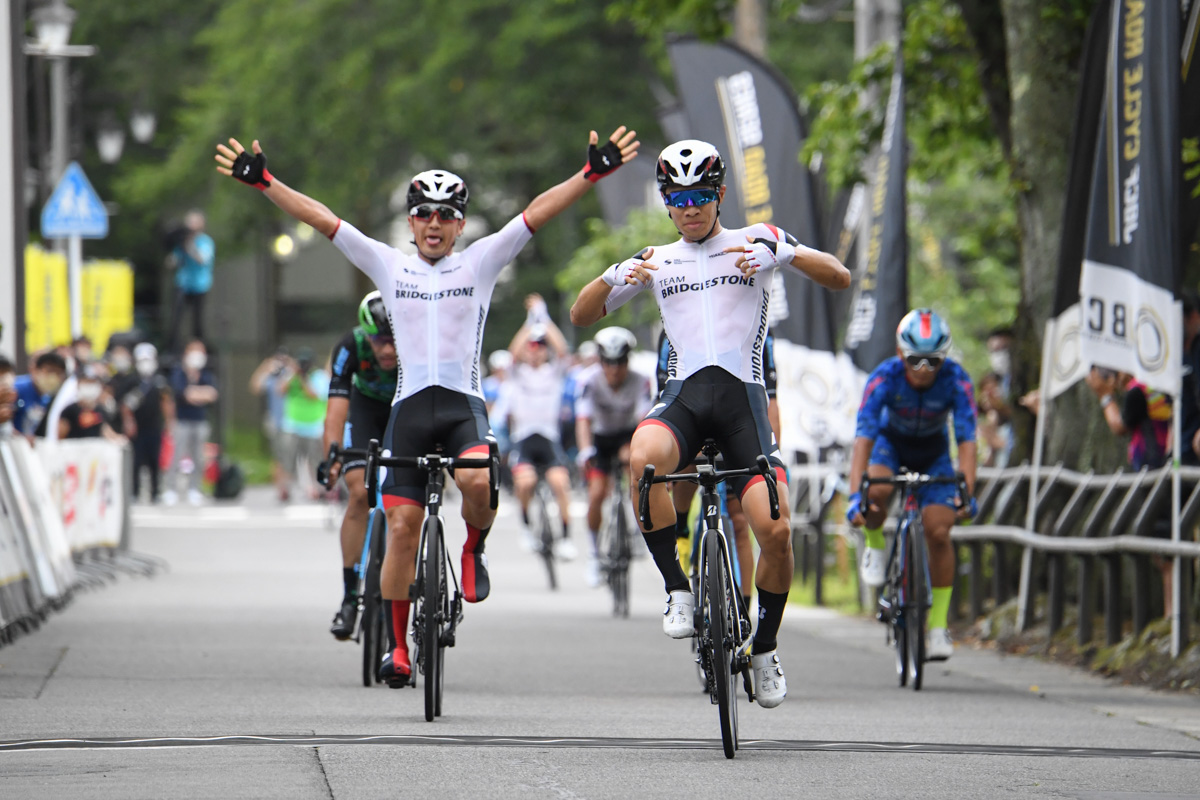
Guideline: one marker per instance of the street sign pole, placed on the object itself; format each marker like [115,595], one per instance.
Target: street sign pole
[75,282]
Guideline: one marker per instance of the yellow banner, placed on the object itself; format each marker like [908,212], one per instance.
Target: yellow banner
[107,295]
[47,301]
[107,300]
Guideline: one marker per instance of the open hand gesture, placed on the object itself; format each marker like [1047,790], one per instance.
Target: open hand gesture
[620,148]
[249,169]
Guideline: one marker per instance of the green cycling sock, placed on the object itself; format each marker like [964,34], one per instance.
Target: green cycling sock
[940,608]
[874,537]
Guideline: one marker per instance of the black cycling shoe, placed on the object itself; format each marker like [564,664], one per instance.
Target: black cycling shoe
[343,621]
[396,673]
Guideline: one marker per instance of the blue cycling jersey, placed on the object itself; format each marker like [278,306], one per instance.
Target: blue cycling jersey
[892,407]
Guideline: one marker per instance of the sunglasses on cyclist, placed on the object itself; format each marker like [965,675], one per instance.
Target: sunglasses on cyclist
[382,339]
[924,362]
[427,210]
[620,362]
[690,197]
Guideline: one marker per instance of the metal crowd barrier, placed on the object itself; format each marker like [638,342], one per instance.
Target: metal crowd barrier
[1105,522]
[64,526]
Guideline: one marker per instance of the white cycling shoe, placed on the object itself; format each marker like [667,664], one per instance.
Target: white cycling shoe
[565,550]
[679,617]
[770,687]
[941,646]
[873,567]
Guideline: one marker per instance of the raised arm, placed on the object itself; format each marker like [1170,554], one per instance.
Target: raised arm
[620,148]
[252,170]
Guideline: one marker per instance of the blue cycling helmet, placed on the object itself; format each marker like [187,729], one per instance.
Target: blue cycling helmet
[923,333]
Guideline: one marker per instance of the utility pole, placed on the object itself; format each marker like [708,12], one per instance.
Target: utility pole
[750,27]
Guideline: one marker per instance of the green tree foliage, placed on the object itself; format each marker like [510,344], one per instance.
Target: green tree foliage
[607,245]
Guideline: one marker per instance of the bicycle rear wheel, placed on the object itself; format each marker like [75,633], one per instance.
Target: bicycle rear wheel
[433,578]
[545,532]
[619,556]
[916,602]
[373,628]
[719,611]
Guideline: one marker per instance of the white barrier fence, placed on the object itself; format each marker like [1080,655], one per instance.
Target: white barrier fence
[61,504]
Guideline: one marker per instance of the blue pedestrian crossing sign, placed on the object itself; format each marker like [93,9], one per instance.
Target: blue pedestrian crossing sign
[74,209]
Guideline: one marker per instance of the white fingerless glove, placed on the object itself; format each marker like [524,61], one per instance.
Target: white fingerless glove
[616,274]
[762,255]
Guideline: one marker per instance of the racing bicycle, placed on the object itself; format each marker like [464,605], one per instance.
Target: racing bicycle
[435,593]
[722,625]
[614,543]
[906,596]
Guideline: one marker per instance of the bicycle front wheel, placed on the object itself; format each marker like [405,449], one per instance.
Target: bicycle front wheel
[916,602]
[719,611]
[373,628]
[618,560]
[545,532]
[433,578]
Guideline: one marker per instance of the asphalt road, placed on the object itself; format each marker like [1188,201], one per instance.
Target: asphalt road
[217,678]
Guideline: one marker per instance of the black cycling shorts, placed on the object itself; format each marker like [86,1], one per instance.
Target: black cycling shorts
[608,445]
[714,404]
[433,420]
[538,451]
[367,420]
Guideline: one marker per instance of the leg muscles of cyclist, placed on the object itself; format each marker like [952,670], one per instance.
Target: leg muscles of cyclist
[354,524]
[773,577]
[741,543]
[655,444]
[559,480]
[524,479]
[598,486]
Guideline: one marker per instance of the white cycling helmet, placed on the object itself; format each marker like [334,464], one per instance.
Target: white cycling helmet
[615,343]
[438,186]
[690,162]
[500,359]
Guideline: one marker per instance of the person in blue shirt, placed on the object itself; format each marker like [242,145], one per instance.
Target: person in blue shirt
[903,422]
[36,391]
[192,259]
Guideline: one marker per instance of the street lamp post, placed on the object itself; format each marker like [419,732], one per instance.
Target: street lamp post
[52,24]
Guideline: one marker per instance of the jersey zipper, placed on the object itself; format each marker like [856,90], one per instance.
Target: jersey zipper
[432,328]
[706,304]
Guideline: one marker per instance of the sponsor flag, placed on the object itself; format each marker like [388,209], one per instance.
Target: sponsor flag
[745,108]
[882,295]
[1189,124]
[1129,320]
[1061,344]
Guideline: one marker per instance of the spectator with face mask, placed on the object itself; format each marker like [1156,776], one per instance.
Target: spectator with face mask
[195,390]
[8,394]
[35,393]
[148,407]
[86,417]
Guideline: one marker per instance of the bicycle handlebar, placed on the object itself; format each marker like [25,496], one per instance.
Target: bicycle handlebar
[708,477]
[432,462]
[337,454]
[916,480]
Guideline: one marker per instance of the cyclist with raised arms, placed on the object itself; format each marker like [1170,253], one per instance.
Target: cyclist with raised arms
[437,300]
[613,399]
[535,389]
[713,305]
[363,364]
[903,422]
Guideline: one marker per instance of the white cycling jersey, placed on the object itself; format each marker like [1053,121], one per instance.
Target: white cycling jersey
[713,315]
[437,310]
[535,399]
[610,410]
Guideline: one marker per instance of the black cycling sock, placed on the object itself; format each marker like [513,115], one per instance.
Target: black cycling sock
[662,547]
[566,529]
[770,615]
[525,516]
[681,525]
[350,581]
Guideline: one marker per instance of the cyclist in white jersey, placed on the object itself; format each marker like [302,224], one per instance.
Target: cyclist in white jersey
[535,389]
[438,301]
[612,401]
[714,305]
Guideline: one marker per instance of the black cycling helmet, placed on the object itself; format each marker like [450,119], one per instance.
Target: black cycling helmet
[373,317]
[690,162]
[438,186]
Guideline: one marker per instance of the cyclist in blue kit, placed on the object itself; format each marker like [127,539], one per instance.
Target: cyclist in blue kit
[903,422]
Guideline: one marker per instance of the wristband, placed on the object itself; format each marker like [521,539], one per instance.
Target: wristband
[1106,401]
